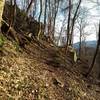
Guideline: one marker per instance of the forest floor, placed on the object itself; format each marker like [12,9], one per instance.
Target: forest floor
[40,72]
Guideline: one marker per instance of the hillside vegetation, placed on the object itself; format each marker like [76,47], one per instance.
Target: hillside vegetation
[40,73]
[36,69]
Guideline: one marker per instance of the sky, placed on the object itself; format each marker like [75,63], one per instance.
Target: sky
[93,20]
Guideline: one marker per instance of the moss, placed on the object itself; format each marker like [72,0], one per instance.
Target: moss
[2,40]
[16,46]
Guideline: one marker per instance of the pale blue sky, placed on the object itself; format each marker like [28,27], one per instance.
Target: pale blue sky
[93,20]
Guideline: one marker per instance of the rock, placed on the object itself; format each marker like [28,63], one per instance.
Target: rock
[57,82]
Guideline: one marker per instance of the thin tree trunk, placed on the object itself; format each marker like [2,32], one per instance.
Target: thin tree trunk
[59,38]
[49,20]
[94,58]
[29,6]
[11,13]
[68,26]
[14,14]
[55,15]
[80,44]
[39,18]
[34,11]
[40,11]
[2,2]
[73,22]
[45,15]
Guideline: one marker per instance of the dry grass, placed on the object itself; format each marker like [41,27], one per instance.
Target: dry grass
[25,75]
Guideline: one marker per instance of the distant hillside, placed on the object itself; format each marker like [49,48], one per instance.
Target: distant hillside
[88,44]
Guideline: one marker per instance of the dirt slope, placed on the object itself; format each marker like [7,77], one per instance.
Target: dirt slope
[38,72]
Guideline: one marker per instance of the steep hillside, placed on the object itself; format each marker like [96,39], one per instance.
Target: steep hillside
[39,72]
[33,69]
[87,53]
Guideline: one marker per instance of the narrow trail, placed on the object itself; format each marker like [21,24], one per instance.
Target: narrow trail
[56,66]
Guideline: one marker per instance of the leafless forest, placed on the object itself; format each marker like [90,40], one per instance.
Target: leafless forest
[49,50]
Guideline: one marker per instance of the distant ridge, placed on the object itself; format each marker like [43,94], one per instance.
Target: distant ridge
[88,44]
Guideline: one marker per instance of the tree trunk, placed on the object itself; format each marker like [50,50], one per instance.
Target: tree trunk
[2,2]
[68,27]
[56,6]
[73,22]
[94,58]
[45,15]
[40,11]
[49,21]
[34,10]
[80,44]
[13,14]
[29,6]
[39,19]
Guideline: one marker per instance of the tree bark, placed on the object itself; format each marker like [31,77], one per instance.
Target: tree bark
[2,2]
[94,58]
[49,20]
[40,11]
[13,14]
[56,6]
[29,6]
[73,22]
[39,19]
[35,7]
[80,44]
[68,26]
[45,15]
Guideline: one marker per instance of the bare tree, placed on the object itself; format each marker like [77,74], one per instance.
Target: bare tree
[29,6]
[34,8]
[13,13]
[96,52]
[45,11]
[82,23]
[68,26]
[39,32]
[49,18]
[73,21]
[62,29]
[40,11]
[2,2]
[54,13]
[53,6]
